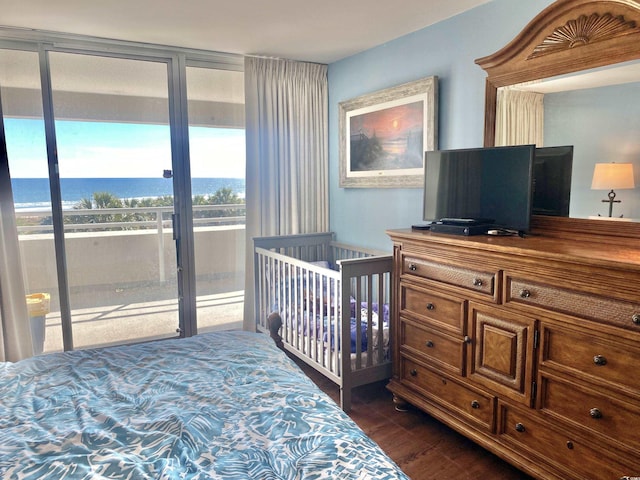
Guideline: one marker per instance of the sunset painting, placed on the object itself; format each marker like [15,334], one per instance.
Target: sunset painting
[384,134]
[387,139]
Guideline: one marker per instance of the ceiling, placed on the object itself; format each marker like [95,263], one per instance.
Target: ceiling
[315,31]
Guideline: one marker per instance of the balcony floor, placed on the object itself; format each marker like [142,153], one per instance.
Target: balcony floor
[123,316]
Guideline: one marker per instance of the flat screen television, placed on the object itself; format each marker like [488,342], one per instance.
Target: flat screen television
[552,180]
[480,185]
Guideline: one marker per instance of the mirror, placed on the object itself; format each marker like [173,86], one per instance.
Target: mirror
[568,37]
[592,111]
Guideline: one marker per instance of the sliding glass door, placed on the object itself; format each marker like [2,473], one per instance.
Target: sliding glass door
[217,160]
[109,275]
[127,170]
[21,96]
[113,145]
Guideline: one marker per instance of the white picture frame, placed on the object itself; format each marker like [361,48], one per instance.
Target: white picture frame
[383,135]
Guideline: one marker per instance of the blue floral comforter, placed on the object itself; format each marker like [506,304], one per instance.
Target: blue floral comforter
[225,405]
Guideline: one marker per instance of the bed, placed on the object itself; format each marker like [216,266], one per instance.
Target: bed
[226,405]
[319,299]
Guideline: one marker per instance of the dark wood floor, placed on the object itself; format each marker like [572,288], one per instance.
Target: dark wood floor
[423,448]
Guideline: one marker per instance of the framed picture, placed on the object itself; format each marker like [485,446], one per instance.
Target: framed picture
[383,135]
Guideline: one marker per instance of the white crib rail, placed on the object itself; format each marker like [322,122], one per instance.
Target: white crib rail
[314,305]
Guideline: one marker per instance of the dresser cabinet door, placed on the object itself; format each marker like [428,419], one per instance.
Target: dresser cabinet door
[501,352]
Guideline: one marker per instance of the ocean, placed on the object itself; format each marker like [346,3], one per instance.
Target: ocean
[33,193]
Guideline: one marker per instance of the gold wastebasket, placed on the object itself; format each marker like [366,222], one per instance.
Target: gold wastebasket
[38,305]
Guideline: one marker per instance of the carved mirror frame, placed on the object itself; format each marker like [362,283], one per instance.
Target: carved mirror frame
[567,37]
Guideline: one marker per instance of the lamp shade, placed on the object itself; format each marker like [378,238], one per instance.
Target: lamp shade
[609,176]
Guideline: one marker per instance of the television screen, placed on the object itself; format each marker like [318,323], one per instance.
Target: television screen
[552,180]
[489,185]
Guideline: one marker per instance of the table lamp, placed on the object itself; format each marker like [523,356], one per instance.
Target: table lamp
[610,176]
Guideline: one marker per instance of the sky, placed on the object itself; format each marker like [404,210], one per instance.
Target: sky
[111,150]
[390,122]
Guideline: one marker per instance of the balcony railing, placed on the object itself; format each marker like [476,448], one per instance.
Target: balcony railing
[162,218]
[121,270]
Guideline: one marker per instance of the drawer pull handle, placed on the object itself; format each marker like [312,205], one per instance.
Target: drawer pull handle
[413,267]
[431,306]
[467,339]
[477,282]
[636,318]
[600,360]
[570,445]
[595,413]
[520,427]
[475,404]
[525,293]
[413,372]
[430,344]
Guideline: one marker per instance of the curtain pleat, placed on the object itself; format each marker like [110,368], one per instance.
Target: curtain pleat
[519,117]
[286,107]
[15,329]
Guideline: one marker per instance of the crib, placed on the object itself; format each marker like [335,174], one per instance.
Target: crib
[319,299]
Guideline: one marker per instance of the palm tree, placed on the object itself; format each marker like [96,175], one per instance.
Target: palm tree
[223,196]
[99,200]
[107,200]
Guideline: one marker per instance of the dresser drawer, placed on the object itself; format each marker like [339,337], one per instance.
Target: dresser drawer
[572,302]
[577,458]
[471,405]
[472,279]
[446,312]
[601,414]
[600,358]
[445,351]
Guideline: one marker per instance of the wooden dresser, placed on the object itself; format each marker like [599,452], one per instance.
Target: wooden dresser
[529,346]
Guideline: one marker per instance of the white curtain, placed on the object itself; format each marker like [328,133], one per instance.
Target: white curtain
[286,106]
[519,117]
[15,330]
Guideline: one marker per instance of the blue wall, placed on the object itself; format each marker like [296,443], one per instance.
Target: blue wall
[603,125]
[447,50]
